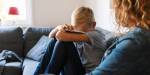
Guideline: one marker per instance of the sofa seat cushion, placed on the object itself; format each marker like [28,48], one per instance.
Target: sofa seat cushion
[30,66]
[14,64]
[11,38]
[12,67]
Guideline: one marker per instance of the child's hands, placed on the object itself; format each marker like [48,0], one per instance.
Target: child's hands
[65,27]
[69,28]
[62,28]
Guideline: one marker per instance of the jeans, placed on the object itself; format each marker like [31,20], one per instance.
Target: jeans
[65,58]
[47,56]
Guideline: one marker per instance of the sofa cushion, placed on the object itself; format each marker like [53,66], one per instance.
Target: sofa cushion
[39,49]
[11,38]
[108,34]
[12,67]
[30,66]
[32,35]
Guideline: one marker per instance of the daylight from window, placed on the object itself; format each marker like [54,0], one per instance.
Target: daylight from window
[11,10]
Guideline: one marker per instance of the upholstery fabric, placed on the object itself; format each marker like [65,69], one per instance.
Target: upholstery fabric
[11,38]
[32,35]
[13,68]
[39,49]
[30,66]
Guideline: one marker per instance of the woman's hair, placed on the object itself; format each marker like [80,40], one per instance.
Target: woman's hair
[128,10]
[83,15]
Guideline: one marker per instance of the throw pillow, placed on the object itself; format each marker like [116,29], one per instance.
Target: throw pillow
[38,51]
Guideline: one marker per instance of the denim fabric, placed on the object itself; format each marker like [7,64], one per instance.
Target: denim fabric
[47,56]
[65,56]
[129,56]
[37,54]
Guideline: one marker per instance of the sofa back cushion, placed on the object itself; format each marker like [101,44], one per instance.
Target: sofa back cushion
[39,49]
[11,38]
[32,35]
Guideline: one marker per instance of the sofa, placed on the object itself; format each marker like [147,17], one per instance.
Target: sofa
[21,40]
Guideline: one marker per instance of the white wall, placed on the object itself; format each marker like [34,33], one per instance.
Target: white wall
[102,13]
[53,12]
[29,12]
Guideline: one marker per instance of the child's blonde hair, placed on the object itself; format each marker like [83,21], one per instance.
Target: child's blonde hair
[83,15]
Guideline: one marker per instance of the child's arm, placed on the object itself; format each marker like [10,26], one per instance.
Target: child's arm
[71,36]
[55,30]
[53,33]
[66,33]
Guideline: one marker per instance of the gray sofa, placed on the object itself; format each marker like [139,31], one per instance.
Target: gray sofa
[21,41]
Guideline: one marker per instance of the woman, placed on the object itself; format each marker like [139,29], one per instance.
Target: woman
[130,55]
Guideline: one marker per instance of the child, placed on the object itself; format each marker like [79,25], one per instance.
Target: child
[79,46]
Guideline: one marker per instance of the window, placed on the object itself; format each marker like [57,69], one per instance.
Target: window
[19,6]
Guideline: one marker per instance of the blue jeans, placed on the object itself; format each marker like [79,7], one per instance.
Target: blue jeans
[65,58]
[47,56]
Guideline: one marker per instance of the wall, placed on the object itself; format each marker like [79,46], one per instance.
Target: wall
[29,12]
[0,10]
[102,12]
[28,18]
[1,2]
[53,12]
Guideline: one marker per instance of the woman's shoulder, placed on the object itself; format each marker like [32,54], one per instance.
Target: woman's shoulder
[138,35]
